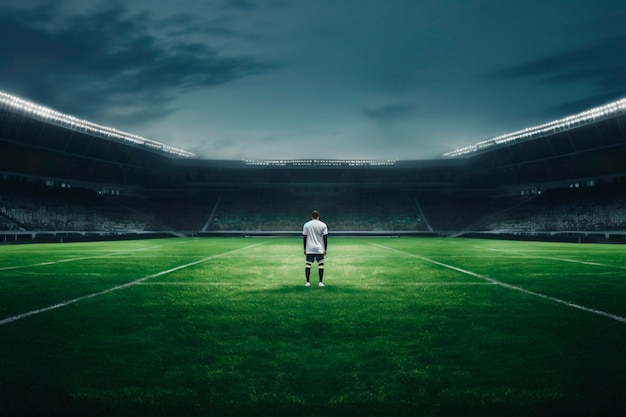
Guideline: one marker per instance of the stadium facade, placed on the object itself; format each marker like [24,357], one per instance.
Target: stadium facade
[563,178]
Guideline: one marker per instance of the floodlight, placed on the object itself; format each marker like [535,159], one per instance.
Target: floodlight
[566,123]
[47,115]
[319,162]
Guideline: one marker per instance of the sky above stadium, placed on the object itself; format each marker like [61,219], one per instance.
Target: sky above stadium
[293,79]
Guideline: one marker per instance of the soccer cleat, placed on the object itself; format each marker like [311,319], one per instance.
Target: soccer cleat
[308,284]
[321,284]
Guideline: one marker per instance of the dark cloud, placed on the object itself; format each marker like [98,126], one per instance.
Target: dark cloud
[389,114]
[601,65]
[90,64]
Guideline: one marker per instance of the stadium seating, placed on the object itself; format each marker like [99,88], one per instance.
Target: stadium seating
[33,207]
[36,207]
[284,210]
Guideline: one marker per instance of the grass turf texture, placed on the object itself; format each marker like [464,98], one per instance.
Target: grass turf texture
[226,327]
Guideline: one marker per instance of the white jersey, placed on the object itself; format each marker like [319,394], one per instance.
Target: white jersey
[314,230]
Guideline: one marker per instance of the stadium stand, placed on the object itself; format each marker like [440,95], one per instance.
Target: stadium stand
[59,175]
[32,207]
[599,209]
[278,210]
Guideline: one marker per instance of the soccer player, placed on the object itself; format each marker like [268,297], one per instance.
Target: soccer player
[315,239]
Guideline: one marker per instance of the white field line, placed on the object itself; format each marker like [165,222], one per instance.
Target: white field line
[380,284]
[6,268]
[509,286]
[578,274]
[551,258]
[78,274]
[120,287]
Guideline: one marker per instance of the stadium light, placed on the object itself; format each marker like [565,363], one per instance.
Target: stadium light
[48,115]
[319,162]
[580,119]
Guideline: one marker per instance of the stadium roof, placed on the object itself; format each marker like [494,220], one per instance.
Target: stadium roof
[320,162]
[47,115]
[570,122]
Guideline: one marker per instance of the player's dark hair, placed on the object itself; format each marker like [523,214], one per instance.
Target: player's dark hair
[315,214]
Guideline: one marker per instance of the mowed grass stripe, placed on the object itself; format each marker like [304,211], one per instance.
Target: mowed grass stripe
[24,289]
[553,258]
[592,276]
[510,286]
[280,263]
[82,258]
[118,287]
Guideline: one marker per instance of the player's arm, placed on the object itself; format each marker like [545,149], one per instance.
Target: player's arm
[325,243]
[304,243]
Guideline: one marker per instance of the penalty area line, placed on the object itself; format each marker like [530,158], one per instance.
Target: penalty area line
[509,286]
[120,287]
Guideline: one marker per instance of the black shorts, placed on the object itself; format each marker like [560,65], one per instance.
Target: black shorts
[318,257]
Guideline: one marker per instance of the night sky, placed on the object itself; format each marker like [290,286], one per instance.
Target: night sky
[291,79]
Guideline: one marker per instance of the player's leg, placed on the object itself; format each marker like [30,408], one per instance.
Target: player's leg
[307,268]
[320,266]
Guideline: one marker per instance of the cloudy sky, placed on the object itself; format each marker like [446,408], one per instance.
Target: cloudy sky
[343,79]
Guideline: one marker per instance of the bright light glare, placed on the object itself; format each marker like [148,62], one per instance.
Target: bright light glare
[570,122]
[50,116]
[319,162]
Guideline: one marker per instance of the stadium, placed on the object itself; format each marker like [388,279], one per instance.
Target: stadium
[485,282]
[563,179]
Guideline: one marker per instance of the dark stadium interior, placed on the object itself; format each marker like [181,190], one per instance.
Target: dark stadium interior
[57,182]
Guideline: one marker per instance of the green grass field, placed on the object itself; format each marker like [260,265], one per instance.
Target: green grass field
[225,326]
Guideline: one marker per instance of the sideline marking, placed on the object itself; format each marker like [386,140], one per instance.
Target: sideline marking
[6,268]
[509,286]
[120,287]
[551,258]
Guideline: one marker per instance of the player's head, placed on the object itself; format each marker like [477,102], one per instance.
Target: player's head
[315,214]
